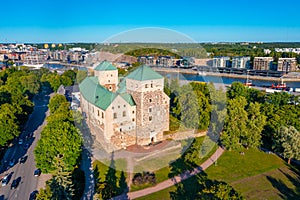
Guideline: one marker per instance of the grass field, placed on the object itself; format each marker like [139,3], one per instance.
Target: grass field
[255,174]
[103,168]
[166,172]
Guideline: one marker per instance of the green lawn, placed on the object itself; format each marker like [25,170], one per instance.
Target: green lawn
[255,174]
[165,173]
[103,168]
[233,166]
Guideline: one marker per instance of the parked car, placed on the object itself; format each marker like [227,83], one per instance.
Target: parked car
[5,180]
[23,159]
[33,195]
[15,183]
[37,172]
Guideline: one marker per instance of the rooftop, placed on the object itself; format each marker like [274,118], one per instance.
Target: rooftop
[98,95]
[144,73]
[105,66]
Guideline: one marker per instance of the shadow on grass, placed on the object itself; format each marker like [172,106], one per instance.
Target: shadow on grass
[285,191]
[112,186]
[200,187]
[182,164]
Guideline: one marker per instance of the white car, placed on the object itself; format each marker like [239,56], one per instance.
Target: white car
[5,180]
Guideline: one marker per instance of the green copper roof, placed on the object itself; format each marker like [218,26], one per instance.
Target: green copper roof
[105,66]
[128,98]
[144,73]
[95,93]
[98,95]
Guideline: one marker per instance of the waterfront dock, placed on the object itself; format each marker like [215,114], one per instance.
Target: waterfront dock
[263,78]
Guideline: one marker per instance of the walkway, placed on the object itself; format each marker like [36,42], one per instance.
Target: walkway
[177,179]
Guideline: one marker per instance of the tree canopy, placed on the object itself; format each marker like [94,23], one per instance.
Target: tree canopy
[59,137]
[290,140]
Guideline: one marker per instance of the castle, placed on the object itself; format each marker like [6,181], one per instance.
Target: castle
[132,111]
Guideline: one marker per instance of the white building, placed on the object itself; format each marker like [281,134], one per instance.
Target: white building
[240,62]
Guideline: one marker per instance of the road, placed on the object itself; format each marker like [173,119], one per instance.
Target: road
[30,135]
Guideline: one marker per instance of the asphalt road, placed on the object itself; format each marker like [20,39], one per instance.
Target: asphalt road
[30,135]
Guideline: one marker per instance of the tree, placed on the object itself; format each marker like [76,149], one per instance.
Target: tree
[200,187]
[220,191]
[44,194]
[218,111]
[204,110]
[187,107]
[71,74]
[290,139]
[8,123]
[237,89]
[255,124]
[58,138]
[278,98]
[61,183]
[60,186]
[31,83]
[236,123]
[56,102]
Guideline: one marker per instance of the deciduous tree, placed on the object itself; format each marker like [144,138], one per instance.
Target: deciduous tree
[290,140]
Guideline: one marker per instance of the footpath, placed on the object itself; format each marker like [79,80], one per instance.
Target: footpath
[172,181]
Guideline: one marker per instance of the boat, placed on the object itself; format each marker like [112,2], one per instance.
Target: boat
[35,66]
[248,82]
[201,73]
[32,61]
[279,86]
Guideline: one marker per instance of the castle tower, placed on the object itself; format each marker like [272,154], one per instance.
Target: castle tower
[107,75]
[152,104]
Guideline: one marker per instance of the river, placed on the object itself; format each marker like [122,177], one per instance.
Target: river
[202,78]
[225,80]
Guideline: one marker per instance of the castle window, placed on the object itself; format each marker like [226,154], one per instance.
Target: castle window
[133,112]
[150,118]
[98,113]
[113,107]
[111,75]
[110,88]
[115,115]
[146,86]
[124,105]
[151,85]
[109,81]
[133,119]
[150,109]
[150,100]
[118,106]
[124,113]
[102,115]
[120,129]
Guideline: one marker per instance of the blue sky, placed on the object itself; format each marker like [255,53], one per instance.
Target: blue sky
[97,20]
